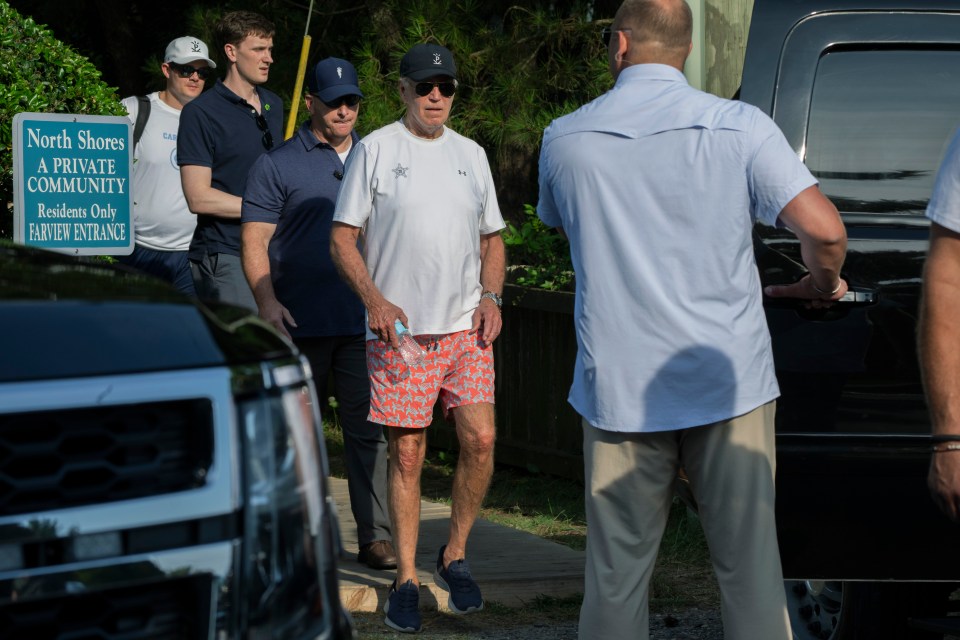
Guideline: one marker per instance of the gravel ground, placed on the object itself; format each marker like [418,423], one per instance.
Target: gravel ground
[686,624]
[689,624]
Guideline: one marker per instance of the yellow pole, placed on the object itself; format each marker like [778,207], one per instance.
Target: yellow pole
[301,71]
[298,88]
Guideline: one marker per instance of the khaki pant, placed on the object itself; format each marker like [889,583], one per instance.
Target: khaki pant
[629,489]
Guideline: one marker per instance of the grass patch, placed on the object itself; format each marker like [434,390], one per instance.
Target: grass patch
[553,508]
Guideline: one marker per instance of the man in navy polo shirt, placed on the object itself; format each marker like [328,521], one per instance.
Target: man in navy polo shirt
[286,217]
[221,134]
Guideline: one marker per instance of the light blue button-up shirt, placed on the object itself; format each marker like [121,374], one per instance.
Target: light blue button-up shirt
[944,205]
[657,186]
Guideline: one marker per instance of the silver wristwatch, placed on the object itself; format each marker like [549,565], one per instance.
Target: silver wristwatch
[497,300]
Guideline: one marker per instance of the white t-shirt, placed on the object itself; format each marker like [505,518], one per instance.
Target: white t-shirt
[161,218]
[423,205]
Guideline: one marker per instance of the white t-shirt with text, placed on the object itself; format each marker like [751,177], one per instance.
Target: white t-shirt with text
[161,219]
[423,205]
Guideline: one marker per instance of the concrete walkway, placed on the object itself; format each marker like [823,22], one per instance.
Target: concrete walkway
[512,567]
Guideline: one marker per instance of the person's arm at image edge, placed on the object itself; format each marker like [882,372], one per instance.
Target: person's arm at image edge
[939,351]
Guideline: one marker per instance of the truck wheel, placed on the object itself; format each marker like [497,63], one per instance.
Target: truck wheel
[816,609]
[834,610]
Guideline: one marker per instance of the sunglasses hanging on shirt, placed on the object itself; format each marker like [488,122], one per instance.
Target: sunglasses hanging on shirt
[267,138]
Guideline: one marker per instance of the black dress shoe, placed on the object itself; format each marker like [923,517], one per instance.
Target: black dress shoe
[379,554]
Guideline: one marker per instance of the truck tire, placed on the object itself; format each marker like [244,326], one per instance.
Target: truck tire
[835,610]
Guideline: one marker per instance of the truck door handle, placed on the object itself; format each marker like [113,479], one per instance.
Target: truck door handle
[856,296]
[859,296]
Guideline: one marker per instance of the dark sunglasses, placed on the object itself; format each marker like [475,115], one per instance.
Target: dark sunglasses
[447,89]
[350,101]
[185,70]
[267,138]
[607,33]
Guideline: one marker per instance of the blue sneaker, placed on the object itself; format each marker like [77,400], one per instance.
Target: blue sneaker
[403,608]
[456,580]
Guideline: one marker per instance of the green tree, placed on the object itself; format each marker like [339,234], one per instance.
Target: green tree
[518,70]
[40,74]
[521,64]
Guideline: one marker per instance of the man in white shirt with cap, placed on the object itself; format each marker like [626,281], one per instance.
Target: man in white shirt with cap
[162,223]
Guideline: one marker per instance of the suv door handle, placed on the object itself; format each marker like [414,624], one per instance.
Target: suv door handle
[856,296]
[859,296]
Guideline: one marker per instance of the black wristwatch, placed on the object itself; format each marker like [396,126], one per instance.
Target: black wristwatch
[497,300]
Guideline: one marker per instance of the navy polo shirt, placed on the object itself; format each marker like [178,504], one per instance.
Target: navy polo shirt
[295,187]
[218,129]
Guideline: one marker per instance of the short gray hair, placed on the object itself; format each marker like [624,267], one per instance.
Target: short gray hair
[654,21]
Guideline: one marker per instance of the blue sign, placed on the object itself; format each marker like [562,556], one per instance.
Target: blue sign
[72,183]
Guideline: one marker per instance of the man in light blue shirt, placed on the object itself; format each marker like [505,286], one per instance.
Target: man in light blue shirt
[657,186]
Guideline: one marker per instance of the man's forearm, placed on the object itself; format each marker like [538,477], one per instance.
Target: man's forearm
[824,260]
[255,257]
[350,265]
[381,313]
[213,202]
[938,345]
[493,259]
[823,238]
[203,198]
[823,242]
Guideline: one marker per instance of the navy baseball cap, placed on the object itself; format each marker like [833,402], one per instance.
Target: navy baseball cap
[426,61]
[333,78]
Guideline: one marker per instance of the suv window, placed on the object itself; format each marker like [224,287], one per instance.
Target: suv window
[879,124]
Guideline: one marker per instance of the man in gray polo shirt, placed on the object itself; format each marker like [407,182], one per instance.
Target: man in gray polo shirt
[286,217]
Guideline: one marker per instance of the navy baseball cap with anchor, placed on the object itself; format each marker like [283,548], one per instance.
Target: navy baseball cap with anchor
[427,60]
[332,79]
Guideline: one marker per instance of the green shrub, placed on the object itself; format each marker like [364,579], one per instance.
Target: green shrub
[539,255]
[40,74]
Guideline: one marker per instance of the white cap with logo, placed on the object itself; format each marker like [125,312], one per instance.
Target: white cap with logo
[186,50]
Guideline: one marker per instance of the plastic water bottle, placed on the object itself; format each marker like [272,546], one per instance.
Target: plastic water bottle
[410,350]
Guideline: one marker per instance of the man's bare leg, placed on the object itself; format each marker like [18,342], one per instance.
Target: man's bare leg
[476,432]
[407,450]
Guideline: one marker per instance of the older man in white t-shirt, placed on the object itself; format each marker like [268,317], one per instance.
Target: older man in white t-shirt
[434,261]
[162,223]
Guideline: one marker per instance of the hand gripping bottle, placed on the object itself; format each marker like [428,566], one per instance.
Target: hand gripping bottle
[411,351]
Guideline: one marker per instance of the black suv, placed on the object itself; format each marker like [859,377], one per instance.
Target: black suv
[162,471]
[868,93]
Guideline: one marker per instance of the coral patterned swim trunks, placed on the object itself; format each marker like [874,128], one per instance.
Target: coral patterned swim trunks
[458,368]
